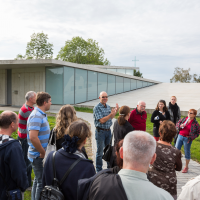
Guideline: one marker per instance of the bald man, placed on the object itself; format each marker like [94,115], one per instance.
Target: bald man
[103,116]
[12,164]
[138,117]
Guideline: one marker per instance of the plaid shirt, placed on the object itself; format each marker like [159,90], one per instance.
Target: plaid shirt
[99,112]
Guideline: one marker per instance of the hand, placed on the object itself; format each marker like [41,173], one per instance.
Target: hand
[42,155]
[182,125]
[113,112]
[117,107]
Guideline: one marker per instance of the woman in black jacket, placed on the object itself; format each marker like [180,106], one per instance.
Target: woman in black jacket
[159,115]
[120,129]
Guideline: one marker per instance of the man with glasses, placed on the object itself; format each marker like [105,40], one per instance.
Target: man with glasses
[103,116]
[138,117]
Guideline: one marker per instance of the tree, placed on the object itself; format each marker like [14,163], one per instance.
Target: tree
[78,50]
[137,73]
[196,79]
[181,75]
[37,48]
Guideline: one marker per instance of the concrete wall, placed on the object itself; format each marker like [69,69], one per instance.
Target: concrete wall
[3,86]
[24,80]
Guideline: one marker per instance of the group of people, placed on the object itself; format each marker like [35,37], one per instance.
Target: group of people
[141,166]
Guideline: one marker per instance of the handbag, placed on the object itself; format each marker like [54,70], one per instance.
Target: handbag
[12,194]
[53,191]
[107,152]
[50,147]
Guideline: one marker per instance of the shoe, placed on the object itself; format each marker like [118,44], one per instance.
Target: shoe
[185,170]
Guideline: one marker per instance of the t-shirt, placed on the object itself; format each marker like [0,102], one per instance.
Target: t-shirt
[37,121]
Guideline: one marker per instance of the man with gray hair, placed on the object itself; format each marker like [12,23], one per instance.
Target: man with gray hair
[138,117]
[137,152]
[24,113]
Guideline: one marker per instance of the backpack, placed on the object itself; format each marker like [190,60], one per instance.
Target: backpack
[53,191]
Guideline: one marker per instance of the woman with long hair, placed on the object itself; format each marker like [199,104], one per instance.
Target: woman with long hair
[160,114]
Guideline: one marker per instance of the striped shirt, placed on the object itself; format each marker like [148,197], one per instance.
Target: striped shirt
[23,115]
[37,121]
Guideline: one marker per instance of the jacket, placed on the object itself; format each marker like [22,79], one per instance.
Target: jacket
[12,167]
[172,116]
[63,160]
[194,130]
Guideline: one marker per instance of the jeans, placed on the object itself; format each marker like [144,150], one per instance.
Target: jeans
[25,146]
[102,139]
[184,141]
[37,183]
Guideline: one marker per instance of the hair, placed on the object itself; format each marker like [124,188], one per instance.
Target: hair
[123,112]
[80,129]
[194,111]
[167,131]
[118,158]
[138,148]
[42,97]
[6,118]
[29,95]
[139,102]
[165,107]
[174,97]
[65,117]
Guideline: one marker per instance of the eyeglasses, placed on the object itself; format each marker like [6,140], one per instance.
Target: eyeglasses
[104,97]
[190,113]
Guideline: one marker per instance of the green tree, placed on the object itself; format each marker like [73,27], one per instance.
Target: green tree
[196,78]
[137,73]
[78,50]
[37,48]
[181,75]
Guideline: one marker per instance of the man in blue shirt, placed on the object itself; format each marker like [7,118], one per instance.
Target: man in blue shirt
[103,116]
[38,136]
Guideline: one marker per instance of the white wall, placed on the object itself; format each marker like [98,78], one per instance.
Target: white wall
[3,86]
[24,80]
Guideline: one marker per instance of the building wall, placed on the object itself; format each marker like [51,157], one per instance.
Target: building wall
[24,80]
[3,86]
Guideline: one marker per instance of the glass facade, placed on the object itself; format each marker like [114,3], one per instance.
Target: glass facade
[114,70]
[68,85]
[129,72]
[123,71]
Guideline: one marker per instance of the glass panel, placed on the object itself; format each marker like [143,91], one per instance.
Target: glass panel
[139,84]
[121,71]
[145,84]
[133,84]
[111,84]
[119,84]
[102,82]
[127,84]
[129,72]
[68,85]
[92,85]
[80,85]
[54,84]
[114,70]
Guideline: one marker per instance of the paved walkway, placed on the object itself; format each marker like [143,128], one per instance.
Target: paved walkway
[194,167]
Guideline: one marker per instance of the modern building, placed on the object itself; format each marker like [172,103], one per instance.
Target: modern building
[67,83]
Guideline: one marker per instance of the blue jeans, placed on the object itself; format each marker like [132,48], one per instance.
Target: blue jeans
[184,141]
[37,183]
[25,146]
[102,139]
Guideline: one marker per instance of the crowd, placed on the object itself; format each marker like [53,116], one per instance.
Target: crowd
[141,166]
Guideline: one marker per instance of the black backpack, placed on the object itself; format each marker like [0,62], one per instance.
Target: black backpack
[53,191]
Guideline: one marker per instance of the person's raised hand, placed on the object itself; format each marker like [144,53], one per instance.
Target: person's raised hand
[113,112]
[117,107]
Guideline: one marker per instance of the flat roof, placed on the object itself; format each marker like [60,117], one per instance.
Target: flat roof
[14,64]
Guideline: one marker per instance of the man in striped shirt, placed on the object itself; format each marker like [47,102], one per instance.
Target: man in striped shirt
[38,136]
[24,113]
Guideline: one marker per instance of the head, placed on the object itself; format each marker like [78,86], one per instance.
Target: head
[138,150]
[124,111]
[118,159]
[103,97]
[79,129]
[173,100]
[9,120]
[31,97]
[141,106]
[162,106]
[43,99]
[167,131]
[192,113]
[65,117]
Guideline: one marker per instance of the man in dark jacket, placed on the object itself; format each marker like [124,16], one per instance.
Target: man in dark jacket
[12,164]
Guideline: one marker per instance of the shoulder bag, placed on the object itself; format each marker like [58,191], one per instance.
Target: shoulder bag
[107,152]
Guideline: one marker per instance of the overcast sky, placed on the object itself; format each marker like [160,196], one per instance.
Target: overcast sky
[161,34]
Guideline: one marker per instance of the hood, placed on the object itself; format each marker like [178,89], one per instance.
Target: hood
[5,144]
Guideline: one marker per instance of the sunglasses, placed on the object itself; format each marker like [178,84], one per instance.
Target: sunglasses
[104,97]
[190,113]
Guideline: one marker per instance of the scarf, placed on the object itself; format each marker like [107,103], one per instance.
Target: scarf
[5,138]
[174,109]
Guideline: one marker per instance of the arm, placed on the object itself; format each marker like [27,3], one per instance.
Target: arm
[179,113]
[33,134]
[178,124]
[111,115]
[153,116]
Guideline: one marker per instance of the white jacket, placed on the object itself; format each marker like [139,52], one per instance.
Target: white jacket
[191,190]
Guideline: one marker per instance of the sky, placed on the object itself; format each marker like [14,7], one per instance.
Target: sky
[161,34]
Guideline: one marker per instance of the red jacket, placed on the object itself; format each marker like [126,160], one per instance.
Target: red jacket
[138,120]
